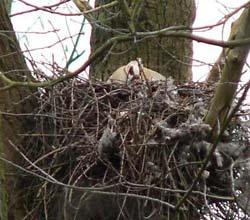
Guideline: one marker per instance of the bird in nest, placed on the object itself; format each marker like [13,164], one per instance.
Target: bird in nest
[133,73]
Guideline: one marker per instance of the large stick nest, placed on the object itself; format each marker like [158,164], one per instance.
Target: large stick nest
[145,140]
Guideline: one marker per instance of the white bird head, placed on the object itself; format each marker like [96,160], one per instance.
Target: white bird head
[132,70]
[134,73]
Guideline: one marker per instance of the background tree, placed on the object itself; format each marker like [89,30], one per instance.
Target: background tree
[169,56]
[14,101]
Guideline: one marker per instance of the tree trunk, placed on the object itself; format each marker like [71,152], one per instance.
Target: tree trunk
[231,73]
[13,101]
[168,56]
[3,191]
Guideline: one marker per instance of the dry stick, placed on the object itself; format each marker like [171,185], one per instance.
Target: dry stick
[224,19]
[167,32]
[48,8]
[214,145]
[143,74]
[98,52]
[233,181]
[91,10]
[189,35]
[89,189]
[170,190]
[51,179]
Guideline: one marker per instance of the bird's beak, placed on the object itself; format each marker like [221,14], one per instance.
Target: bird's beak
[136,79]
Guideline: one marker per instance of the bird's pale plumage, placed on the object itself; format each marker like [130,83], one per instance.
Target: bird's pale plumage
[132,72]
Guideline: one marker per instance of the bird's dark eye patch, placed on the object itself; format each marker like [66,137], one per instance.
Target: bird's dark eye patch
[131,71]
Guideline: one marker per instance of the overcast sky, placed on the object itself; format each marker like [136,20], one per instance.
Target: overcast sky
[36,24]
[210,12]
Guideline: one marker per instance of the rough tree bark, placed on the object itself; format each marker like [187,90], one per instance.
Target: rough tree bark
[231,73]
[169,56]
[13,65]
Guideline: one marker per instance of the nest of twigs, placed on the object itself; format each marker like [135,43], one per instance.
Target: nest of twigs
[144,142]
